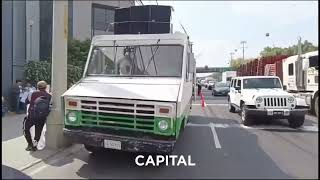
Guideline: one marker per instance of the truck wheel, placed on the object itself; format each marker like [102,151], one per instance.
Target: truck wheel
[316,106]
[93,149]
[231,108]
[244,116]
[296,121]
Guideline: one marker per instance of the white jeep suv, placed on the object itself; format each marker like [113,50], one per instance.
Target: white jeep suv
[263,96]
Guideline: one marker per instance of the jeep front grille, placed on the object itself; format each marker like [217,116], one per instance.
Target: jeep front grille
[275,102]
[126,114]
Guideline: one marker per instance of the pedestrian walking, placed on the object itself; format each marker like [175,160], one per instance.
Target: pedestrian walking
[39,108]
[199,88]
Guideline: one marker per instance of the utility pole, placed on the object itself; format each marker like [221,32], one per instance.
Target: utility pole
[231,54]
[54,135]
[243,43]
[299,46]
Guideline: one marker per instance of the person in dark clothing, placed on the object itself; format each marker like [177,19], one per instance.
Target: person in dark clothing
[31,120]
[15,96]
[199,88]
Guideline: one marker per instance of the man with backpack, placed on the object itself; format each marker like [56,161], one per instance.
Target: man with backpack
[38,111]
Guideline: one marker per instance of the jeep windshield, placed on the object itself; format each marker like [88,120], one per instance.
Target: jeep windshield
[136,60]
[252,83]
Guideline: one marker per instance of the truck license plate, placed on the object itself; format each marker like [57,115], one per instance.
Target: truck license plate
[110,144]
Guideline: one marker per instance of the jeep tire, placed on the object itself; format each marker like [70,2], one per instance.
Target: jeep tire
[296,121]
[231,108]
[244,116]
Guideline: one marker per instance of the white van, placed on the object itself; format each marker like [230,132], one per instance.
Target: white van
[135,94]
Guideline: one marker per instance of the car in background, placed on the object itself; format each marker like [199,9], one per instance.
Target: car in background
[210,85]
[221,88]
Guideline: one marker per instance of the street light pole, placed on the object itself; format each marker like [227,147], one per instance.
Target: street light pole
[243,43]
[54,135]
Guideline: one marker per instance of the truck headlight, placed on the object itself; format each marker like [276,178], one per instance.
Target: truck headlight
[72,116]
[163,125]
[259,100]
[290,99]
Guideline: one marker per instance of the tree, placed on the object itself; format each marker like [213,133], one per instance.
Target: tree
[78,52]
[235,63]
[290,51]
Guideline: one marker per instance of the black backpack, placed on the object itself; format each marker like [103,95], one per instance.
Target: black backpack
[40,109]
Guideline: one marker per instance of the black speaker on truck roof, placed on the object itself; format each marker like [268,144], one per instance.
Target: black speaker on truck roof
[122,14]
[150,19]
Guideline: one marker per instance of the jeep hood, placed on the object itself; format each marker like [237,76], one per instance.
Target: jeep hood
[264,92]
[158,89]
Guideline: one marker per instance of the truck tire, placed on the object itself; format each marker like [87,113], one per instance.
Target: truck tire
[231,108]
[244,116]
[296,121]
[316,106]
[93,149]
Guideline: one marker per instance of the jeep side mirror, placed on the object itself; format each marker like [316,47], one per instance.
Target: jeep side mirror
[285,88]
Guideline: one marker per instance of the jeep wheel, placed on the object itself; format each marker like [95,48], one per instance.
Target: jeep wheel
[244,116]
[296,121]
[231,108]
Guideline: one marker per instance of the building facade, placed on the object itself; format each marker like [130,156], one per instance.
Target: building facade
[27,31]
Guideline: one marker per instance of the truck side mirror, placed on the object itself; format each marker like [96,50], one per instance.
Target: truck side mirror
[285,88]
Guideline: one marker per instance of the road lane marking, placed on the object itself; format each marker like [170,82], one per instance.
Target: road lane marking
[215,136]
[312,128]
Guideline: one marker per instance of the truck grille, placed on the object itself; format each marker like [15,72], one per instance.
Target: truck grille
[108,113]
[276,102]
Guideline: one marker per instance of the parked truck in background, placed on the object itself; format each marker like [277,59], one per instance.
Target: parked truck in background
[228,75]
[299,74]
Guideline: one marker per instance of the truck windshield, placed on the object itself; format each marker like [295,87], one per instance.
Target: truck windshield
[151,60]
[261,83]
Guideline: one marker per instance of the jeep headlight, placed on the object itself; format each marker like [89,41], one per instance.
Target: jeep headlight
[72,116]
[290,99]
[259,100]
[163,125]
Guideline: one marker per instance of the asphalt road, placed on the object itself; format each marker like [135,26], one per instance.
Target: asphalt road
[216,141]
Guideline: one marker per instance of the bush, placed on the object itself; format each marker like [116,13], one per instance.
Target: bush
[40,70]
[77,56]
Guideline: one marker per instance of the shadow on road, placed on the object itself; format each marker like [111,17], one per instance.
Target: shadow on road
[11,173]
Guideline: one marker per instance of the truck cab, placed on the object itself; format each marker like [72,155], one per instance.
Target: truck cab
[263,96]
[301,78]
[135,93]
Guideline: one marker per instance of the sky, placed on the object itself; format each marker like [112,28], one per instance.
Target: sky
[217,27]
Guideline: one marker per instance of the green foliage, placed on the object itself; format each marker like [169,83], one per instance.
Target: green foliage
[77,56]
[37,71]
[290,51]
[235,63]
[78,52]
[40,70]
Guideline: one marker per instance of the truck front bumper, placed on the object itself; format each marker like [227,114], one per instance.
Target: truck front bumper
[127,143]
[276,113]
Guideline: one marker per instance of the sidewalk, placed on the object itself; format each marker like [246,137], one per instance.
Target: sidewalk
[14,144]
